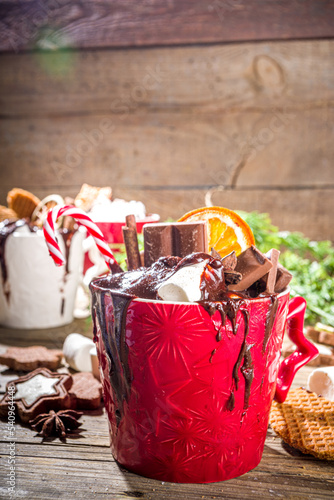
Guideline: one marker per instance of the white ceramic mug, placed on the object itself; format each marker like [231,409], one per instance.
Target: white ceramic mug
[38,294]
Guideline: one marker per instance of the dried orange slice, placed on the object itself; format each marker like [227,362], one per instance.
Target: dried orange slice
[227,231]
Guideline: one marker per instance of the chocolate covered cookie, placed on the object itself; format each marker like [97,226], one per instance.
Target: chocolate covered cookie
[86,392]
[30,358]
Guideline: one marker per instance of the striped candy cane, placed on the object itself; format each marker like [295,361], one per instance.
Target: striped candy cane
[84,220]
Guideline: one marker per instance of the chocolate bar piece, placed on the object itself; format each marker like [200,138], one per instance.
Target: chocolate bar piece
[157,242]
[188,237]
[177,238]
[283,278]
[273,255]
[253,265]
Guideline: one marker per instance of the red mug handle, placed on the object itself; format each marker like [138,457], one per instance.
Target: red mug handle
[305,352]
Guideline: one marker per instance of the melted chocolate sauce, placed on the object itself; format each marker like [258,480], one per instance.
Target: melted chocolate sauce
[142,282]
[113,337]
[270,318]
[247,367]
[231,401]
[67,236]
[212,354]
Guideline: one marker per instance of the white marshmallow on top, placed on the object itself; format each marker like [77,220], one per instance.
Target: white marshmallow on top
[321,381]
[184,285]
[76,350]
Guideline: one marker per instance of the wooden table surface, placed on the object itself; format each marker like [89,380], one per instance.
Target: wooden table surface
[83,467]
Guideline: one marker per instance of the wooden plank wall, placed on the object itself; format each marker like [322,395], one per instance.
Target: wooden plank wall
[248,125]
[120,23]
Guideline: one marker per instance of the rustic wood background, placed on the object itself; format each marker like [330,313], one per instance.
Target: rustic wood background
[149,97]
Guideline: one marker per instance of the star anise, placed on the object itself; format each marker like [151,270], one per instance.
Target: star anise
[56,423]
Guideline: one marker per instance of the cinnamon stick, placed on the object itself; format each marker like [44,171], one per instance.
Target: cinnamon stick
[130,221]
[131,243]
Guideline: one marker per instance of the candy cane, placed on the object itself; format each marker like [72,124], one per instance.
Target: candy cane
[84,220]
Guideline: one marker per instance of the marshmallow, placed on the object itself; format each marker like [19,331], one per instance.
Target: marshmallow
[184,285]
[76,350]
[321,381]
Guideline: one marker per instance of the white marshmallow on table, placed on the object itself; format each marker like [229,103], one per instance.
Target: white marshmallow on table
[76,350]
[184,285]
[321,381]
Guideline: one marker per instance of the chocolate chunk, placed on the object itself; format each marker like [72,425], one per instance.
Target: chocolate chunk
[37,392]
[189,237]
[232,277]
[230,260]
[283,278]
[253,265]
[215,254]
[178,239]
[229,263]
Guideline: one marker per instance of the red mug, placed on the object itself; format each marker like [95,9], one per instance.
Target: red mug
[188,390]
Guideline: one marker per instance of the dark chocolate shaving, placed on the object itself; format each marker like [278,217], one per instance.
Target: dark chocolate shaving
[270,318]
[230,260]
[232,277]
